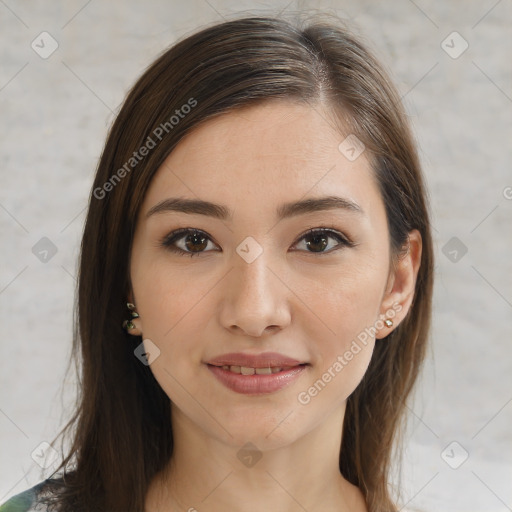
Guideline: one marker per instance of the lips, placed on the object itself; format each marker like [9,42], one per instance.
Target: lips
[256,374]
[263,360]
[249,370]
[257,384]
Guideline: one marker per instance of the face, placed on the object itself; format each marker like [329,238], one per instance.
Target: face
[257,281]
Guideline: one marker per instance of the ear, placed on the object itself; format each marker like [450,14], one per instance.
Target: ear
[399,293]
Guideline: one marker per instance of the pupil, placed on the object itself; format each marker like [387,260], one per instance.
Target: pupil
[196,237]
[315,239]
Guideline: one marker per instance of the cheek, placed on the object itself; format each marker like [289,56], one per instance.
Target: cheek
[343,334]
[171,306]
[169,298]
[341,359]
[344,304]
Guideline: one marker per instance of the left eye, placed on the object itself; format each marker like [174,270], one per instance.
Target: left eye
[318,239]
[194,242]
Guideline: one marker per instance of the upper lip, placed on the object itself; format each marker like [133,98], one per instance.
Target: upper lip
[263,360]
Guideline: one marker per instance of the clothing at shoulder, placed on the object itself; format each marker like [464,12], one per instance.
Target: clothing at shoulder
[24,501]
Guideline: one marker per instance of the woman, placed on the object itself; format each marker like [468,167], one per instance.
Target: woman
[269,370]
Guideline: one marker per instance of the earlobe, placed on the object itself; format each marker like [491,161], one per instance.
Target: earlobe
[401,286]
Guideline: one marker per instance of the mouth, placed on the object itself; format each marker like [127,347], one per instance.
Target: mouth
[248,380]
[248,362]
[247,370]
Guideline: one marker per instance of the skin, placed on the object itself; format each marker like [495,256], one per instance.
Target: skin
[304,304]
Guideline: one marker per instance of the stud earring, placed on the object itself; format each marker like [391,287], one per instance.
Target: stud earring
[128,324]
[388,322]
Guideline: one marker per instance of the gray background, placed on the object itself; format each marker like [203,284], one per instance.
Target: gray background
[55,113]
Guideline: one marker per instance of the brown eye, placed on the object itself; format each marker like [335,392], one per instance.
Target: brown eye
[317,240]
[194,242]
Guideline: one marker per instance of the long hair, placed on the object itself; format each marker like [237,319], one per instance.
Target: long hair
[120,431]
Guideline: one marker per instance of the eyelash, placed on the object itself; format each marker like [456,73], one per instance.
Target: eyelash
[168,241]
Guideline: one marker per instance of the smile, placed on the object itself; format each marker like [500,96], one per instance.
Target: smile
[256,381]
[244,370]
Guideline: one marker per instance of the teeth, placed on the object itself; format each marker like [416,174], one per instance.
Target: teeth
[251,371]
[263,371]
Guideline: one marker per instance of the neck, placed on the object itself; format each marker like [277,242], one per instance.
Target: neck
[208,474]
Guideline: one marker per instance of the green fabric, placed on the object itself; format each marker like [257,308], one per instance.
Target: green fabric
[22,502]
[19,503]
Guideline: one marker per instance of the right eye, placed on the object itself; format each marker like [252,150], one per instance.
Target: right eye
[192,239]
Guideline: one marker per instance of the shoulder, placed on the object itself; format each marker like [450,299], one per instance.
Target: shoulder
[25,501]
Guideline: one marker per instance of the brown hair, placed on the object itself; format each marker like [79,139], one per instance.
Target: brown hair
[121,409]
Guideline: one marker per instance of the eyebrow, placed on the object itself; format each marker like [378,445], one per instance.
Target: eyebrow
[286,210]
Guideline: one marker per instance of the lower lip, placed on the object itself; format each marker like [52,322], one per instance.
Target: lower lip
[256,384]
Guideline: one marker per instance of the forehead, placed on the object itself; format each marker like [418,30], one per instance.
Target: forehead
[261,156]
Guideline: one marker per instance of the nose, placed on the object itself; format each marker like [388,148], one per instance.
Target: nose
[256,299]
